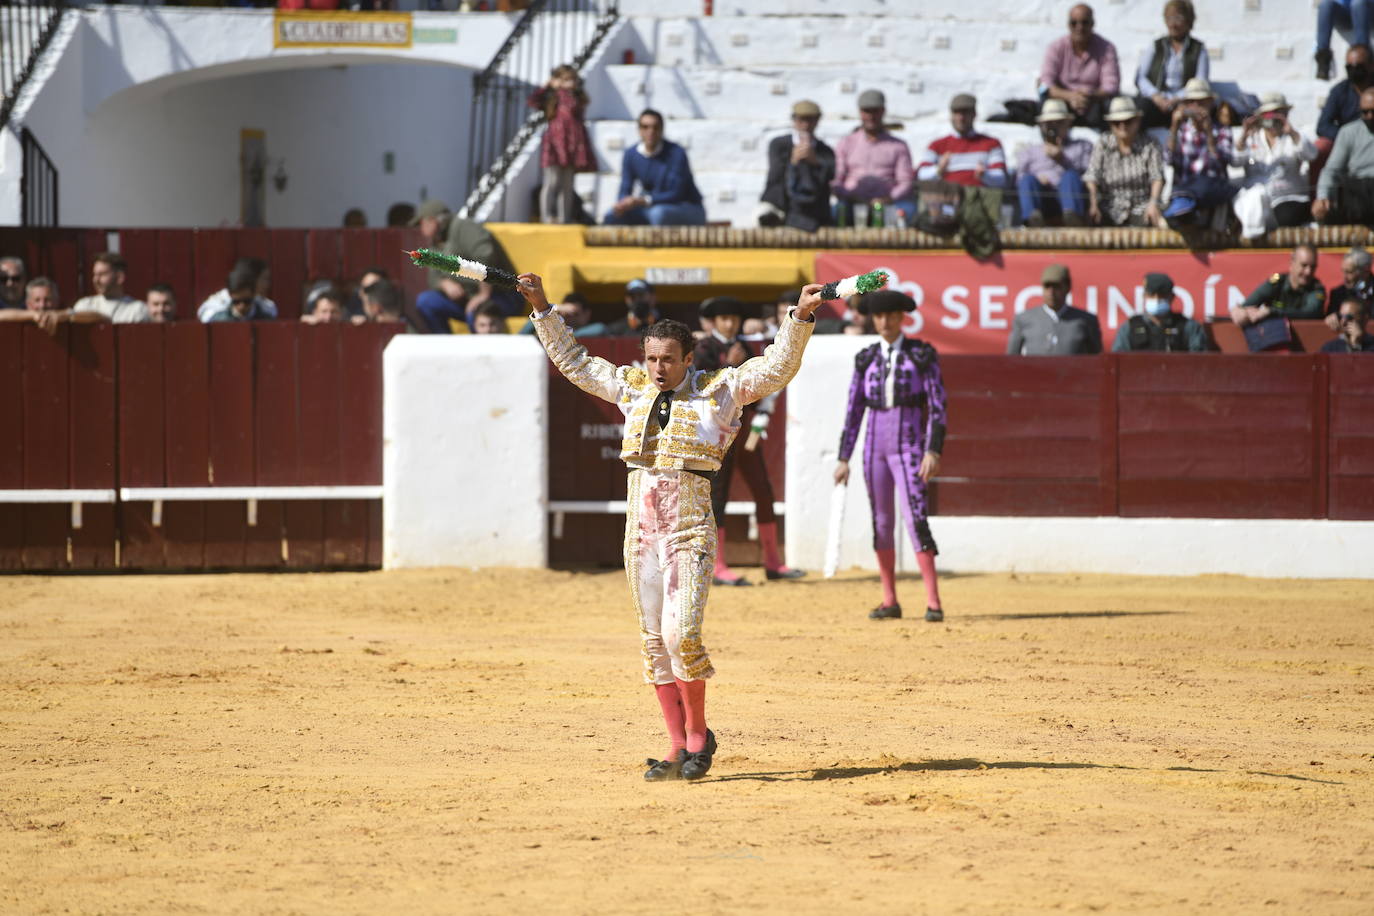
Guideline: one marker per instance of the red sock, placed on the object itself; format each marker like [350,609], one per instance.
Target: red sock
[768,541]
[926,560]
[887,571]
[670,701]
[694,704]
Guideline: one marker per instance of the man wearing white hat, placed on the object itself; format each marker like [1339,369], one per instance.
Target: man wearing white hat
[1200,150]
[1049,182]
[1275,192]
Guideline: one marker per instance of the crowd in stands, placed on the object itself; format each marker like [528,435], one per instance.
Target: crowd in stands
[1230,161]
[453,306]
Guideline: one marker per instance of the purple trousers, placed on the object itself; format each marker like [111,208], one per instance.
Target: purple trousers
[890,470]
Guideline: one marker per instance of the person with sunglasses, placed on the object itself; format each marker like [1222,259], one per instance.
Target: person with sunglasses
[243,300]
[1082,69]
[1345,191]
[12,276]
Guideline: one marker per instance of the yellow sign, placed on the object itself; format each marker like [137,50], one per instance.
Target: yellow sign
[308,29]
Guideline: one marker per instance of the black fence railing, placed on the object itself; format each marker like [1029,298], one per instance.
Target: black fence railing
[38,184]
[25,30]
[551,32]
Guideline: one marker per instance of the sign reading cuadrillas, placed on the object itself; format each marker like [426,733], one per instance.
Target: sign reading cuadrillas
[308,29]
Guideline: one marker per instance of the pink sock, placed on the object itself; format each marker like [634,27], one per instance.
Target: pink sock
[887,571]
[694,704]
[670,701]
[926,560]
[722,571]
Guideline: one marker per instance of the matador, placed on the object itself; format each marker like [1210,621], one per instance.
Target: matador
[679,423]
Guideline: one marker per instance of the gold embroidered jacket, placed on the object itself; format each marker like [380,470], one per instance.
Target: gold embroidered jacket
[705,408]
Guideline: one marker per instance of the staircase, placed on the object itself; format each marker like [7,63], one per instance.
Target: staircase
[25,32]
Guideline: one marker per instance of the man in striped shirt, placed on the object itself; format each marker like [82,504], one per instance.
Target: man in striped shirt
[965,157]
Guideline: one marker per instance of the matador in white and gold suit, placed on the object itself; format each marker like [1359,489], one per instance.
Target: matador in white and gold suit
[679,423]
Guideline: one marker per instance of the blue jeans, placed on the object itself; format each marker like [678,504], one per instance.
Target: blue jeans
[1353,15]
[659,215]
[1069,197]
[436,309]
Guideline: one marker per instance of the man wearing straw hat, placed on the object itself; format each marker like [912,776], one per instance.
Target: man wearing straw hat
[1049,185]
[1200,150]
[1126,173]
[1276,192]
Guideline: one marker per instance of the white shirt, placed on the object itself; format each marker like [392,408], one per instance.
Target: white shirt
[890,351]
[124,310]
[218,302]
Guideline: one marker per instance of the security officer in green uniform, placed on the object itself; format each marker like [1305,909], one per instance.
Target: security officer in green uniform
[1160,328]
[1297,294]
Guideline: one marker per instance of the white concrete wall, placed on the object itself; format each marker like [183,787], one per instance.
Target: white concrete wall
[464,454]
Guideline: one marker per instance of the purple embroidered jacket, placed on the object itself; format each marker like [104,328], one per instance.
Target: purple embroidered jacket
[917,388]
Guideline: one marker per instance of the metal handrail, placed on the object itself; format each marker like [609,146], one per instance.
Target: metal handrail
[501,122]
[25,31]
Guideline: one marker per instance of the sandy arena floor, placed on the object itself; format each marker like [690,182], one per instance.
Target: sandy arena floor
[471,742]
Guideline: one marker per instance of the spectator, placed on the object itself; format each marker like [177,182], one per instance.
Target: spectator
[1345,191]
[871,165]
[577,314]
[964,157]
[383,304]
[400,214]
[641,310]
[1296,294]
[488,319]
[800,169]
[261,282]
[1081,69]
[1200,151]
[566,148]
[162,303]
[107,279]
[656,185]
[1275,193]
[457,298]
[1159,327]
[1359,284]
[353,305]
[1351,333]
[12,277]
[1056,328]
[244,303]
[355,218]
[41,307]
[1352,14]
[1049,182]
[1168,64]
[328,308]
[1125,175]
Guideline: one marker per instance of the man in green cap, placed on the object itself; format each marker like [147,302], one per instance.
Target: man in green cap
[1159,327]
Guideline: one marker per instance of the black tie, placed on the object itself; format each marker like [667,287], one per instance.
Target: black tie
[663,408]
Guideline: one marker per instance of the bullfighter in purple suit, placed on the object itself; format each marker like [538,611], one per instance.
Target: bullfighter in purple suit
[898,381]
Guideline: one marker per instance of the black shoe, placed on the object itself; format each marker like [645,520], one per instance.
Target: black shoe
[698,765]
[934,615]
[1323,58]
[741,582]
[663,770]
[772,574]
[886,612]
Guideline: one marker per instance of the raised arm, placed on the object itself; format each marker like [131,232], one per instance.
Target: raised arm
[592,374]
[767,374]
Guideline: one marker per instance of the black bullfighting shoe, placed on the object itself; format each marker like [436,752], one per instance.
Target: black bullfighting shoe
[784,573]
[663,770]
[886,612]
[935,615]
[741,582]
[697,765]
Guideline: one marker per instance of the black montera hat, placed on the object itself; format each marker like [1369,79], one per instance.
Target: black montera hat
[722,305]
[886,300]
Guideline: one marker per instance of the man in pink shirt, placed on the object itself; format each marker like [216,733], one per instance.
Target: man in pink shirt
[871,165]
[1081,68]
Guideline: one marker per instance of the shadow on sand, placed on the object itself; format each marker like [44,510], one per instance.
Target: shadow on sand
[970,763]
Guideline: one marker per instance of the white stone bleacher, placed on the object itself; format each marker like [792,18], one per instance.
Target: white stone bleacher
[726,82]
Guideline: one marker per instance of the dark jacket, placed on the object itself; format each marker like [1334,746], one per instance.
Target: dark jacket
[800,190]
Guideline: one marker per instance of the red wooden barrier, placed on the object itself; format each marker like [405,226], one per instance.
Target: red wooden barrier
[1350,484]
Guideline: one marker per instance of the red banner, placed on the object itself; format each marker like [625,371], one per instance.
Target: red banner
[967,306]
